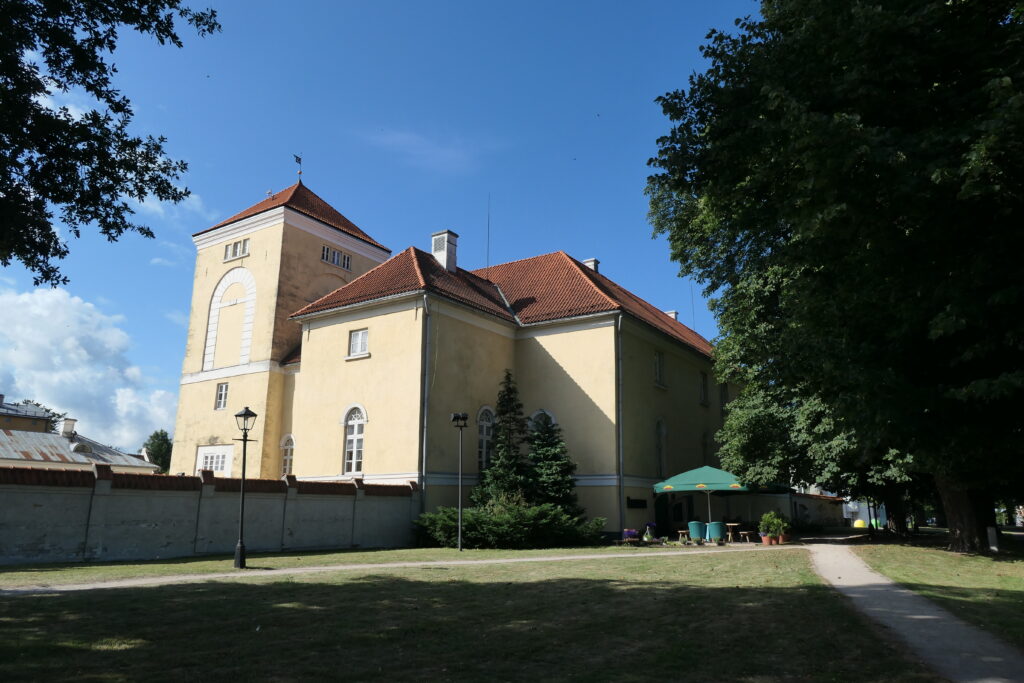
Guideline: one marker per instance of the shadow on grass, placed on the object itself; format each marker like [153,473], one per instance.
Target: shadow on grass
[184,561]
[437,625]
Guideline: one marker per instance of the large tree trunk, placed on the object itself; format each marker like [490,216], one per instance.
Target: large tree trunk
[966,516]
[895,510]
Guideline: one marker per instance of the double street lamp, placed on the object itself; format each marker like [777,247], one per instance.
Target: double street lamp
[245,420]
[459,422]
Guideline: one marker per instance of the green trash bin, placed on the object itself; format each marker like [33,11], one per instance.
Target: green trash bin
[697,530]
[716,531]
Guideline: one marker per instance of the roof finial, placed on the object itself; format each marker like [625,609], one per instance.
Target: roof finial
[298,160]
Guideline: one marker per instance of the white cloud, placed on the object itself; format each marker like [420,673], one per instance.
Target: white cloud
[188,209]
[158,261]
[417,150]
[178,318]
[65,353]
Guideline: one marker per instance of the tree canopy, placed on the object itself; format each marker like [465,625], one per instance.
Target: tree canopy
[82,167]
[505,476]
[158,447]
[847,180]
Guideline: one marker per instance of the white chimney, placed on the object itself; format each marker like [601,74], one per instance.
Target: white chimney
[673,314]
[592,263]
[443,246]
[68,428]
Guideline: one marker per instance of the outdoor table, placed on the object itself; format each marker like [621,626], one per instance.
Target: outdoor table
[730,528]
[684,535]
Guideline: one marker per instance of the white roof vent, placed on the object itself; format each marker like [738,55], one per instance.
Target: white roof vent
[443,245]
[592,263]
[673,314]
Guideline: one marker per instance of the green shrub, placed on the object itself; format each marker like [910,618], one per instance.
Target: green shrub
[510,523]
[773,524]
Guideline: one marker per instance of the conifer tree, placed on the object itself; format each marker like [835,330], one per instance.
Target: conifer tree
[505,476]
[552,471]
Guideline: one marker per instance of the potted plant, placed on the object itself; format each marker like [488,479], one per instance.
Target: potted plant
[784,528]
[770,527]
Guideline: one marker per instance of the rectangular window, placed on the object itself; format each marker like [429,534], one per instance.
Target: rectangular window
[659,368]
[723,396]
[236,249]
[217,459]
[704,388]
[335,257]
[357,343]
[220,401]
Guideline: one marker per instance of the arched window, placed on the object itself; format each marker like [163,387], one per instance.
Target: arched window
[287,454]
[659,449]
[355,422]
[230,322]
[540,417]
[485,438]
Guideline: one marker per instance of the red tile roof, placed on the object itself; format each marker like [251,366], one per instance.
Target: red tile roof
[540,289]
[305,201]
[414,270]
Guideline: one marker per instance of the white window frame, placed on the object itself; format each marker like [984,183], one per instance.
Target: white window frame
[355,435]
[287,455]
[217,459]
[220,398]
[334,257]
[358,343]
[236,250]
[484,438]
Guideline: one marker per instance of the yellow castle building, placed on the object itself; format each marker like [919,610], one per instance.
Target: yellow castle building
[355,359]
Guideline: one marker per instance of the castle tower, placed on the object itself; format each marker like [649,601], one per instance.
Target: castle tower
[253,270]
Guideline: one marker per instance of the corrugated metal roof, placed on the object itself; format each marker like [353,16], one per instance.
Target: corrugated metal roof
[32,447]
[22,410]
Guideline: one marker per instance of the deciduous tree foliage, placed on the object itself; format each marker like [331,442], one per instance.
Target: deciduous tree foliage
[76,169]
[846,178]
[158,446]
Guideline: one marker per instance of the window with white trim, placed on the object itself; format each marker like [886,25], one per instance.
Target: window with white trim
[357,343]
[484,439]
[335,257]
[236,249]
[355,424]
[287,455]
[703,388]
[220,400]
[216,458]
[659,368]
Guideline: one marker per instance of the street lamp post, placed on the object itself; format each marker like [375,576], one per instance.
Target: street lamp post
[459,422]
[245,420]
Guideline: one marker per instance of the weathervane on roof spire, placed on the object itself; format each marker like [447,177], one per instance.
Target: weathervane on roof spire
[298,160]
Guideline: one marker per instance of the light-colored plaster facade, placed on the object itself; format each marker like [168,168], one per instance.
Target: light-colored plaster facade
[239,329]
[626,395]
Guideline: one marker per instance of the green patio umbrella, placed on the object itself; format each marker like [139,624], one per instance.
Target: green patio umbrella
[706,479]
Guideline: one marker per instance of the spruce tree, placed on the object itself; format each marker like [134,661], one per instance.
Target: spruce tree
[505,476]
[552,471]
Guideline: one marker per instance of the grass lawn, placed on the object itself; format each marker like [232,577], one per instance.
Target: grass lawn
[19,576]
[986,591]
[757,616]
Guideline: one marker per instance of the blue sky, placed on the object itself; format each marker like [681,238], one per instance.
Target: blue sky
[407,116]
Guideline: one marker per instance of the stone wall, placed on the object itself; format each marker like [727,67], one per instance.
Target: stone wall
[77,516]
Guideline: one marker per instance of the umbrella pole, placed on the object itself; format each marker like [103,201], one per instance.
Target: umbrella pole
[709,505]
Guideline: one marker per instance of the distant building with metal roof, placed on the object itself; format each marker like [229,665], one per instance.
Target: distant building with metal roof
[69,450]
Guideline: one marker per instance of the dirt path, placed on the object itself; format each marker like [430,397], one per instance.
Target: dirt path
[953,648]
